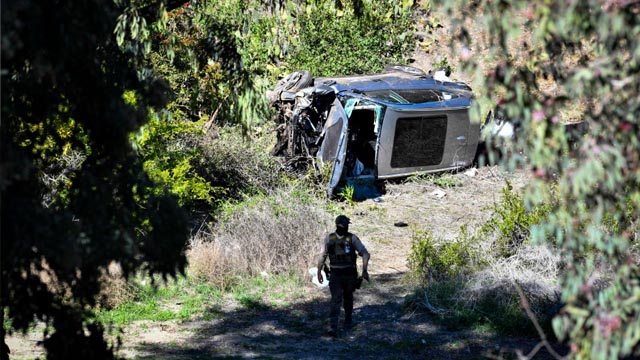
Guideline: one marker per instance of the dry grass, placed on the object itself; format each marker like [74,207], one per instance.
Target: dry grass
[280,233]
[489,284]
[114,288]
[535,268]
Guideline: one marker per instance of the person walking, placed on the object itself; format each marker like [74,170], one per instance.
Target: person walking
[341,247]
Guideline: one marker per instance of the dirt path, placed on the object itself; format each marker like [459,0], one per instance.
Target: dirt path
[384,328]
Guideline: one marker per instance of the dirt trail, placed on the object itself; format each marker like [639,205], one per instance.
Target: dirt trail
[384,328]
[418,204]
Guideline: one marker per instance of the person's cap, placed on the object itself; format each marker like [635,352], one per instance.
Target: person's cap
[342,220]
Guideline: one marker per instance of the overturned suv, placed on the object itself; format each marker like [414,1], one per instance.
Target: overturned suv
[393,124]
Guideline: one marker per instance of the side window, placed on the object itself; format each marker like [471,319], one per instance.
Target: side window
[419,141]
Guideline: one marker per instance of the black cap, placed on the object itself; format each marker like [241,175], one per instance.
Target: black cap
[342,220]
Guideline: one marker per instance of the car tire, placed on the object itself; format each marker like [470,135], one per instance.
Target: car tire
[298,80]
[291,83]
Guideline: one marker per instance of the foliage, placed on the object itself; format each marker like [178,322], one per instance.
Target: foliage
[590,51]
[204,66]
[232,46]
[352,39]
[347,194]
[327,37]
[511,221]
[172,154]
[434,259]
[204,173]
[64,74]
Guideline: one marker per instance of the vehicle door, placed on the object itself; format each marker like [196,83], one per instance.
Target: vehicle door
[334,144]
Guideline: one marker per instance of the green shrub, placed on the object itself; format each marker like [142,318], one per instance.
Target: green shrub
[511,221]
[203,173]
[334,41]
[434,259]
[171,152]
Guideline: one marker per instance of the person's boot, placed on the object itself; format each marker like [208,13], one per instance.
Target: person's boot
[348,324]
[333,332]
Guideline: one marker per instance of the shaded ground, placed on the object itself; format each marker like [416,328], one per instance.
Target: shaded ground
[383,331]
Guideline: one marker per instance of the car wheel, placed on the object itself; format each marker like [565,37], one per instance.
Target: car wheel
[294,82]
[290,83]
[298,80]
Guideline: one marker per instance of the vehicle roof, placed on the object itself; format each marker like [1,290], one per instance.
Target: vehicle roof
[396,81]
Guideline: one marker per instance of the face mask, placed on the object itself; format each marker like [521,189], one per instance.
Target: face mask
[342,230]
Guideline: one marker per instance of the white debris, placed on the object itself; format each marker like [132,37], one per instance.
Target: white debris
[439,194]
[471,172]
[314,278]
[441,75]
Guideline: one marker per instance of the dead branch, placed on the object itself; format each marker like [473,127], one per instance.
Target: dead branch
[207,126]
[544,341]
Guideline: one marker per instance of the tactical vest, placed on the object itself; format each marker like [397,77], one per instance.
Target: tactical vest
[341,251]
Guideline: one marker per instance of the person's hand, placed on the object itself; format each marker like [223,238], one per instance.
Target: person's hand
[365,275]
[320,278]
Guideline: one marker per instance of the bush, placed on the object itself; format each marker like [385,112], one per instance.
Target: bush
[350,40]
[204,173]
[242,164]
[279,233]
[511,222]
[497,309]
[433,259]
[464,285]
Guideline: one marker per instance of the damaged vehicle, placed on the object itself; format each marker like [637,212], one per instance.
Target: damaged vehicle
[400,122]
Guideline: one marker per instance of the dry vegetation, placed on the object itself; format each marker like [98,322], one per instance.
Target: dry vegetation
[115,289]
[535,268]
[274,234]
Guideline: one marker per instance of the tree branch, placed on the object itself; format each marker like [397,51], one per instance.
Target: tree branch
[544,342]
